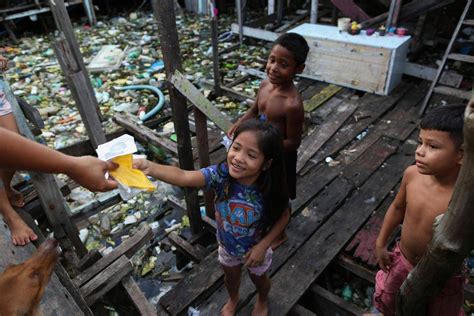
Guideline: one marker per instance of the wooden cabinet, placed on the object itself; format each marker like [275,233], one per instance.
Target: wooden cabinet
[369,63]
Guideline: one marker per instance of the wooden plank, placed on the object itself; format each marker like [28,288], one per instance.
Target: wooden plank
[468,22]
[203,279]
[312,143]
[327,243]
[351,10]
[349,264]
[255,33]
[238,81]
[327,303]
[136,295]
[186,248]
[373,106]
[462,94]
[145,134]
[461,57]
[200,101]
[126,248]
[85,99]
[99,285]
[318,99]
[448,78]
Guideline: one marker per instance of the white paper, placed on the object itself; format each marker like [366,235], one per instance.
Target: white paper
[119,146]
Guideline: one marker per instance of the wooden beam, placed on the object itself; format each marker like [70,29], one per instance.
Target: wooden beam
[165,16]
[127,248]
[327,303]
[106,280]
[136,295]
[85,99]
[31,113]
[186,248]
[188,90]
[351,10]
[448,78]
[255,33]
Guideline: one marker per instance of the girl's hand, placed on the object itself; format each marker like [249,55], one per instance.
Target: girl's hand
[255,256]
[143,165]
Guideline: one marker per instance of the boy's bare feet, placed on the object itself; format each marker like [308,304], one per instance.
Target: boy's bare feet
[21,233]
[281,239]
[230,308]
[261,307]
[16,198]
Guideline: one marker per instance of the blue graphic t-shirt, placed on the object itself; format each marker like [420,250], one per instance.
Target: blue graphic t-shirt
[237,217]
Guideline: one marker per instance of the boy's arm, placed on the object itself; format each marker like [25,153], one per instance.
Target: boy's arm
[394,217]
[23,154]
[256,255]
[294,126]
[170,174]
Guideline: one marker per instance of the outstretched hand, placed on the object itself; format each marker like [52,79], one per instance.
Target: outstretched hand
[143,165]
[90,172]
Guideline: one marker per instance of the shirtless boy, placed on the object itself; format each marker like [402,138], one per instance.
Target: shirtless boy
[279,102]
[424,194]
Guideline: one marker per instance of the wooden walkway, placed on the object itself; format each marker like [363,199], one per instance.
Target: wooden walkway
[340,204]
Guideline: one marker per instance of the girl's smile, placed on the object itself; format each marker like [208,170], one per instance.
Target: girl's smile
[245,160]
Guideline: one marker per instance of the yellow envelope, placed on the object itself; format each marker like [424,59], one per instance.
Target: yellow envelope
[128,176]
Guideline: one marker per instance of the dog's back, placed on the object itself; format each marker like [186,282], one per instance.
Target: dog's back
[23,285]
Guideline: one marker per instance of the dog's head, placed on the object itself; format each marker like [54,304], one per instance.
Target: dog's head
[23,285]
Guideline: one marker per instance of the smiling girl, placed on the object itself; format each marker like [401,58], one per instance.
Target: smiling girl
[251,205]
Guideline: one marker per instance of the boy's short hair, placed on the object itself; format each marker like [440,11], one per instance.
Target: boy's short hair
[448,119]
[296,44]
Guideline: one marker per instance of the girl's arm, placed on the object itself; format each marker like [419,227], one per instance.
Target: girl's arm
[170,174]
[256,255]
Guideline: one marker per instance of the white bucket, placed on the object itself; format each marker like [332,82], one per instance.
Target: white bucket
[343,24]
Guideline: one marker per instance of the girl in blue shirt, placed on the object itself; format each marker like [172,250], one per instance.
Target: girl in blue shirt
[251,205]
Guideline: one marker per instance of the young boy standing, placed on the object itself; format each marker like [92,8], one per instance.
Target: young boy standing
[279,101]
[424,194]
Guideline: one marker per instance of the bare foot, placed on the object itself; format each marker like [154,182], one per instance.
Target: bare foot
[230,308]
[261,307]
[281,239]
[16,198]
[21,233]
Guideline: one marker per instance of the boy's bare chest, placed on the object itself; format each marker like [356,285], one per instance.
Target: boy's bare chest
[272,107]
[424,203]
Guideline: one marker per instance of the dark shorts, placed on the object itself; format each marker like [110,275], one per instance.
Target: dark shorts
[290,164]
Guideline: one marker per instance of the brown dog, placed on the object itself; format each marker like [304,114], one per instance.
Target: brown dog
[23,285]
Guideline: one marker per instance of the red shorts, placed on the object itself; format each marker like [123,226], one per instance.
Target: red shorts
[387,285]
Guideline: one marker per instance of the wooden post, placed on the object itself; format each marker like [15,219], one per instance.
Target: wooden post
[84,97]
[89,8]
[63,23]
[388,24]
[165,16]
[314,12]
[280,11]
[238,7]
[271,7]
[215,51]
[396,12]
[453,237]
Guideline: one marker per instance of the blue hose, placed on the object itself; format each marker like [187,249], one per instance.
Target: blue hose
[158,106]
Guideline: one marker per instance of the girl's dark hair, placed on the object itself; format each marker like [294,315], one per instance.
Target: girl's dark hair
[272,181]
[449,118]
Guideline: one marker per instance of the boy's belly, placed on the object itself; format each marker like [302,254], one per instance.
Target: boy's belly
[414,242]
